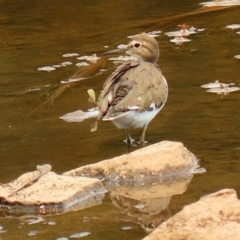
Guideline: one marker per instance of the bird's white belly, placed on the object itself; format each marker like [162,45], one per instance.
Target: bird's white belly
[135,119]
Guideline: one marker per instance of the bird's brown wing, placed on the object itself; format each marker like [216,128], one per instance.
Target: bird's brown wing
[115,88]
[141,87]
[149,88]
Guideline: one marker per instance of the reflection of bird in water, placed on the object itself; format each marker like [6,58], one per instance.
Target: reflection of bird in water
[149,213]
[134,93]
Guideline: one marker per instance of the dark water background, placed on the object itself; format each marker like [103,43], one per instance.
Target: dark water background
[36,33]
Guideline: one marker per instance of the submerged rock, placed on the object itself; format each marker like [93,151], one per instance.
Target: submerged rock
[216,216]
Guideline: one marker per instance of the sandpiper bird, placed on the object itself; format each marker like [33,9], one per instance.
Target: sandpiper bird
[134,93]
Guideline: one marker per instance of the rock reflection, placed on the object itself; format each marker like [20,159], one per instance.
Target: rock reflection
[146,203]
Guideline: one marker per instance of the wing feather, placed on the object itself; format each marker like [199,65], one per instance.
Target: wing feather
[133,86]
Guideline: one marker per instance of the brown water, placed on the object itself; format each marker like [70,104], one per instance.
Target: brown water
[36,34]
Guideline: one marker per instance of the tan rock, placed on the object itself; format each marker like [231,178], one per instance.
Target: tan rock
[216,216]
[158,160]
[56,193]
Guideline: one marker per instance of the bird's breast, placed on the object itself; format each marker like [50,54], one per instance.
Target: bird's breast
[136,119]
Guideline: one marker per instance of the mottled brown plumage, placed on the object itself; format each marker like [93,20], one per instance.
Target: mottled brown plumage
[133,85]
[135,92]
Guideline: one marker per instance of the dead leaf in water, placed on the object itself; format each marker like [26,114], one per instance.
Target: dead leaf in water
[216,84]
[220,88]
[224,90]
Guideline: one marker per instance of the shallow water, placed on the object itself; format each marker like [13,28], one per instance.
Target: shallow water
[37,34]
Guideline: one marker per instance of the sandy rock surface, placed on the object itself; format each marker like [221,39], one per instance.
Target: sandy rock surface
[216,216]
[162,159]
[51,189]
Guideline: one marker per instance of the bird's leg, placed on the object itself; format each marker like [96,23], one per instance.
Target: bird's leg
[93,126]
[142,137]
[128,140]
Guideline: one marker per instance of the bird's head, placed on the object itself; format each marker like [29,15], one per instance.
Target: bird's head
[142,47]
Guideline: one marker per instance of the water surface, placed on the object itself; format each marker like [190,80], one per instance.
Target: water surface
[37,34]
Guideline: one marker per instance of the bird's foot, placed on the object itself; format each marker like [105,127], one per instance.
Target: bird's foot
[142,142]
[130,141]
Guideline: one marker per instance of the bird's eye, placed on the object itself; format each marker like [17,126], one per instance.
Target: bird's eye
[137,45]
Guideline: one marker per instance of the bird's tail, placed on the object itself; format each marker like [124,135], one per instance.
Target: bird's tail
[79,116]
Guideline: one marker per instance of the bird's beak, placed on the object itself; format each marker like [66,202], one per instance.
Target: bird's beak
[115,51]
